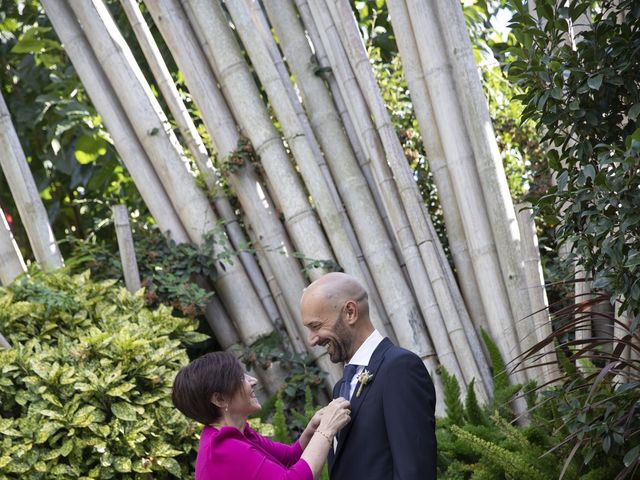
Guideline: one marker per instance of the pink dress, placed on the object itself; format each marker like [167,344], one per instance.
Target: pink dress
[229,454]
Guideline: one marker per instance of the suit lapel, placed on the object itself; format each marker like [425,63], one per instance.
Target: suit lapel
[357,402]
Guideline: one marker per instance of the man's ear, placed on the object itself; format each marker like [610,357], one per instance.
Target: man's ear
[218,400]
[351,311]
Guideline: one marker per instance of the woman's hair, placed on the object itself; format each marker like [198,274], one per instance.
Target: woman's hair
[195,384]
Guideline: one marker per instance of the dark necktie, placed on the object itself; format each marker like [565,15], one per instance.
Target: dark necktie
[345,387]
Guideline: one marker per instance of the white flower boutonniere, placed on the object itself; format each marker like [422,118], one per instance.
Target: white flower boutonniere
[365,377]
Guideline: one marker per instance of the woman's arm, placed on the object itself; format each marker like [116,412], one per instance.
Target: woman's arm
[335,416]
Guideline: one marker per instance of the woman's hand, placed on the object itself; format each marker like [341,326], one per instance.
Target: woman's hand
[315,420]
[335,416]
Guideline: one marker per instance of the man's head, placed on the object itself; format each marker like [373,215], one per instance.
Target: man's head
[335,310]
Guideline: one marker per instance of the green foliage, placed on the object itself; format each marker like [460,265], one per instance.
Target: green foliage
[578,67]
[70,154]
[453,405]
[166,268]
[472,410]
[281,431]
[498,367]
[86,387]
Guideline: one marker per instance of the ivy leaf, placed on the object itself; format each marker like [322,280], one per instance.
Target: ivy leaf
[634,112]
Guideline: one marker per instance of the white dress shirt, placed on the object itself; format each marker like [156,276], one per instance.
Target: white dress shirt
[362,357]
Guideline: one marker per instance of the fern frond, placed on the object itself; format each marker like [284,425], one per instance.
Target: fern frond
[500,379]
[512,463]
[474,413]
[453,405]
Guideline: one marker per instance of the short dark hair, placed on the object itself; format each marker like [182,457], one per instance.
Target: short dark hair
[195,384]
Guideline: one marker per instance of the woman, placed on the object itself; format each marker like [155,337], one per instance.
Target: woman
[215,391]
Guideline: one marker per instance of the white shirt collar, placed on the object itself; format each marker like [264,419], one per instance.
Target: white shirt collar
[364,353]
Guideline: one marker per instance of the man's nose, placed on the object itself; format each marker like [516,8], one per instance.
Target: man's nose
[312,338]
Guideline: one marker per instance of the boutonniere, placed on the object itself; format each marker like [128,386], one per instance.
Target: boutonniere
[365,377]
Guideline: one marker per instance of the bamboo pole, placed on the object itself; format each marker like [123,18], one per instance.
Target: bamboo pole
[475,111]
[199,152]
[537,294]
[172,23]
[127,250]
[255,201]
[301,140]
[377,251]
[321,63]
[622,328]
[11,261]
[152,130]
[238,87]
[437,162]
[411,200]
[25,194]
[465,185]
[107,104]
[136,161]
[420,280]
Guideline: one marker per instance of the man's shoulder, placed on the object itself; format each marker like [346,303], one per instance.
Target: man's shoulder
[398,357]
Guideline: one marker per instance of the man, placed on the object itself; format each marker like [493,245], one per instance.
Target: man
[392,431]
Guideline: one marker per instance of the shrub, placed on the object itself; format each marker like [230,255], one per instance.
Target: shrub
[85,390]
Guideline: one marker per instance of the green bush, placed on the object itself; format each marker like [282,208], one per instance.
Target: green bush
[85,390]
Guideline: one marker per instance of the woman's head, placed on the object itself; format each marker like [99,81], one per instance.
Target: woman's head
[213,385]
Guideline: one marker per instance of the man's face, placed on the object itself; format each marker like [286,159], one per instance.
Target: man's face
[330,332]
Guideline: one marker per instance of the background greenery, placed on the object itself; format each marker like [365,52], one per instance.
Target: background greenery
[566,120]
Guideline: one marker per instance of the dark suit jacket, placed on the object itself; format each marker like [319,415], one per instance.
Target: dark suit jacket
[391,435]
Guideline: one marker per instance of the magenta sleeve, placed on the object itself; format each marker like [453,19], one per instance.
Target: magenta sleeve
[286,454]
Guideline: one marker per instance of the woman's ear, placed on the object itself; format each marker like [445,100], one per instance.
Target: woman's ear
[219,401]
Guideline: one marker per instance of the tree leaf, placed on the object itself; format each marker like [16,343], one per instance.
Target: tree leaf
[89,149]
[631,456]
[595,82]
[634,112]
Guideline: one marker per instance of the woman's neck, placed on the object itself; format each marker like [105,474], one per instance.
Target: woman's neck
[231,421]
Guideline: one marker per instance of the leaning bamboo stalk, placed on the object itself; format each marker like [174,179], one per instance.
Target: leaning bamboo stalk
[409,194]
[426,299]
[198,150]
[288,320]
[11,261]
[301,141]
[437,162]
[136,161]
[468,193]
[171,21]
[621,329]
[126,248]
[152,130]
[323,65]
[108,106]
[25,194]
[255,201]
[241,92]
[493,180]
[3,342]
[380,267]
[537,293]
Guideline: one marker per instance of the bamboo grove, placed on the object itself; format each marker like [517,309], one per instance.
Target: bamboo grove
[301,136]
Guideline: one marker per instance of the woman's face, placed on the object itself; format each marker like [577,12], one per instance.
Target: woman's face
[244,402]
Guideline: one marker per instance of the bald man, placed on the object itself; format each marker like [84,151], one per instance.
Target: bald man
[392,430]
